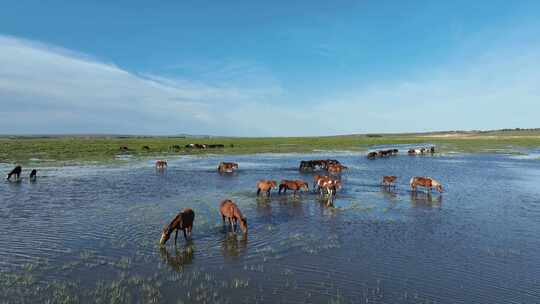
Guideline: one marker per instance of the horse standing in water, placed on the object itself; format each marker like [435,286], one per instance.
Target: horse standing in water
[161,164]
[182,221]
[426,182]
[33,175]
[294,185]
[388,180]
[16,171]
[225,167]
[265,186]
[230,212]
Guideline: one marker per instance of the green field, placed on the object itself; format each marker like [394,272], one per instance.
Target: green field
[76,149]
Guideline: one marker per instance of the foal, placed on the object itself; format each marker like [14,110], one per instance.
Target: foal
[229,211]
[266,186]
[183,221]
[16,171]
[388,180]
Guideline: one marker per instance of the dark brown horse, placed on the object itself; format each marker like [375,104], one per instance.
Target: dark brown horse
[225,167]
[183,221]
[294,185]
[16,172]
[230,212]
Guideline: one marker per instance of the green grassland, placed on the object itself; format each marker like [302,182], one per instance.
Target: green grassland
[78,149]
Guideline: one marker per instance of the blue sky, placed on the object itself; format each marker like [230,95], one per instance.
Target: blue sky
[253,68]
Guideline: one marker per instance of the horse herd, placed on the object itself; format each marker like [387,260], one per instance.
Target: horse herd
[326,184]
[390,152]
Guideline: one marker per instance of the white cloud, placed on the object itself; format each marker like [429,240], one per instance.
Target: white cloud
[45,89]
[50,90]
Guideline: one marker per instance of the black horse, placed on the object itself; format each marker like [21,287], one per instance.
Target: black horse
[16,171]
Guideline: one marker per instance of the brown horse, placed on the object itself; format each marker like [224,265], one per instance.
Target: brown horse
[229,211]
[266,186]
[182,221]
[388,180]
[330,186]
[225,167]
[16,171]
[294,185]
[426,182]
[161,164]
[317,180]
[336,168]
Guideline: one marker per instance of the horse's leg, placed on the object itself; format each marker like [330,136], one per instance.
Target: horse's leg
[185,233]
[175,236]
[268,192]
[233,224]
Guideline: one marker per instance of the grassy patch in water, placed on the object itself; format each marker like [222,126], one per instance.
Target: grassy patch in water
[81,149]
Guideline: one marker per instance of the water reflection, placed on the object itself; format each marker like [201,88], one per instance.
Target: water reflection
[233,247]
[178,256]
[425,199]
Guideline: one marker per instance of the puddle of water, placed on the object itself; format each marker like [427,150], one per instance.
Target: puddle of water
[90,233]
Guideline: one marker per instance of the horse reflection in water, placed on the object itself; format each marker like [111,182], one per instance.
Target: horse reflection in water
[178,257]
[233,247]
[425,199]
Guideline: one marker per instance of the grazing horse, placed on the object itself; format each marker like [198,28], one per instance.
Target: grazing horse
[426,182]
[265,186]
[229,211]
[146,148]
[388,180]
[294,185]
[182,221]
[33,175]
[16,171]
[161,164]
[225,167]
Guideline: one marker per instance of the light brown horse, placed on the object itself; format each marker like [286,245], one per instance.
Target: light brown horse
[388,180]
[161,164]
[183,221]
[229,211]
[265,186]
[293,185]
[225,167]
[426,182]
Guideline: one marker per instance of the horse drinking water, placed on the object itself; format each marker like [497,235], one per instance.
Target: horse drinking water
[183,221]
[230,212]
[16,171]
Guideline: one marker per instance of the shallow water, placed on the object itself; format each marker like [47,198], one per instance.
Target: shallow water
[89,234]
